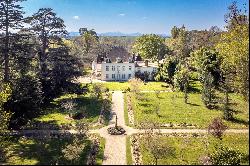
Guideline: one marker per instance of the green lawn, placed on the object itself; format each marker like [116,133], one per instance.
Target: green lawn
[188,150]
[174,110]
[124,85]
[100,155]
[29,151]
[85,104]
[128,151]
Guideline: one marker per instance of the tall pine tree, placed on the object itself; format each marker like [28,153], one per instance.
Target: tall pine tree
[48,28]
[11,18]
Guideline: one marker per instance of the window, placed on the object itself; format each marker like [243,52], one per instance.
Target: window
[130,67]
[113,68]
[107,68]
[107,76]
[113,76]
[123,76]
[123,68]
[129,76]
[118,68]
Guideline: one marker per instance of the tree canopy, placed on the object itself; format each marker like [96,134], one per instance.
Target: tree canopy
[150,47]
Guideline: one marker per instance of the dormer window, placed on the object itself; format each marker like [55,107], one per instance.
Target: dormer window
[119,60]
[108,60]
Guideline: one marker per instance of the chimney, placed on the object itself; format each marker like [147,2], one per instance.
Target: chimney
[146,63]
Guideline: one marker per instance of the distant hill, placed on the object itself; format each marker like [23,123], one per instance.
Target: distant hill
[119,34]
[73,34]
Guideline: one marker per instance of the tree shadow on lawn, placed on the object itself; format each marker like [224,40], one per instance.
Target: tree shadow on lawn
[90,107]
[145,104]
[231,106]
[165,86]
[192,104]
[49,152]
[93,106]
[239,121]
[86,108]
[194,90]
[148,111]
[234,119]
[142,97]
[43,125]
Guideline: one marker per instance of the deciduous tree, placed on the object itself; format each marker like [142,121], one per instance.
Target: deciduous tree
[150,47]
[233,49]
[178,44]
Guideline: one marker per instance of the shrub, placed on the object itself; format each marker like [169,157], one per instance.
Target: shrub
[5,93]
[97,91]
[226,156]
[135,84]
[72,152]
[217,128]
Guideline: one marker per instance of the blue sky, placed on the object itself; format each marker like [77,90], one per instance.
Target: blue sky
[128,16]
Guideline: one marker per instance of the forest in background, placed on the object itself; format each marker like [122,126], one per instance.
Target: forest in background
[38,62]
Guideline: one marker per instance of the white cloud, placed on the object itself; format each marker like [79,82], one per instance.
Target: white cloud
[122,14]
[76,17]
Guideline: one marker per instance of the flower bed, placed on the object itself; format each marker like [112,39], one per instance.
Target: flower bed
[116,130]
[130,110]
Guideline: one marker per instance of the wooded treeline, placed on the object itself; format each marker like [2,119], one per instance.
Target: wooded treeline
[218,59]
[38,62]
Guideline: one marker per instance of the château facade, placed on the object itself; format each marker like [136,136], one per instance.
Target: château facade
[123,71]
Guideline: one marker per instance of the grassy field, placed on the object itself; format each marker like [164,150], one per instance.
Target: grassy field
[174,110]
[124,85]
[128,151]
[188,150]
[29,151]
[100,155]
[85,104]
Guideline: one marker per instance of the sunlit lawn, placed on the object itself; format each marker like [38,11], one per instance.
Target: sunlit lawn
[146,86]
[188,150]
[128,151]
[174,110]
[85,104]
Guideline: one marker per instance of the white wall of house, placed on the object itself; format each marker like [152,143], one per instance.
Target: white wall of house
[117,71]
[121,71]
